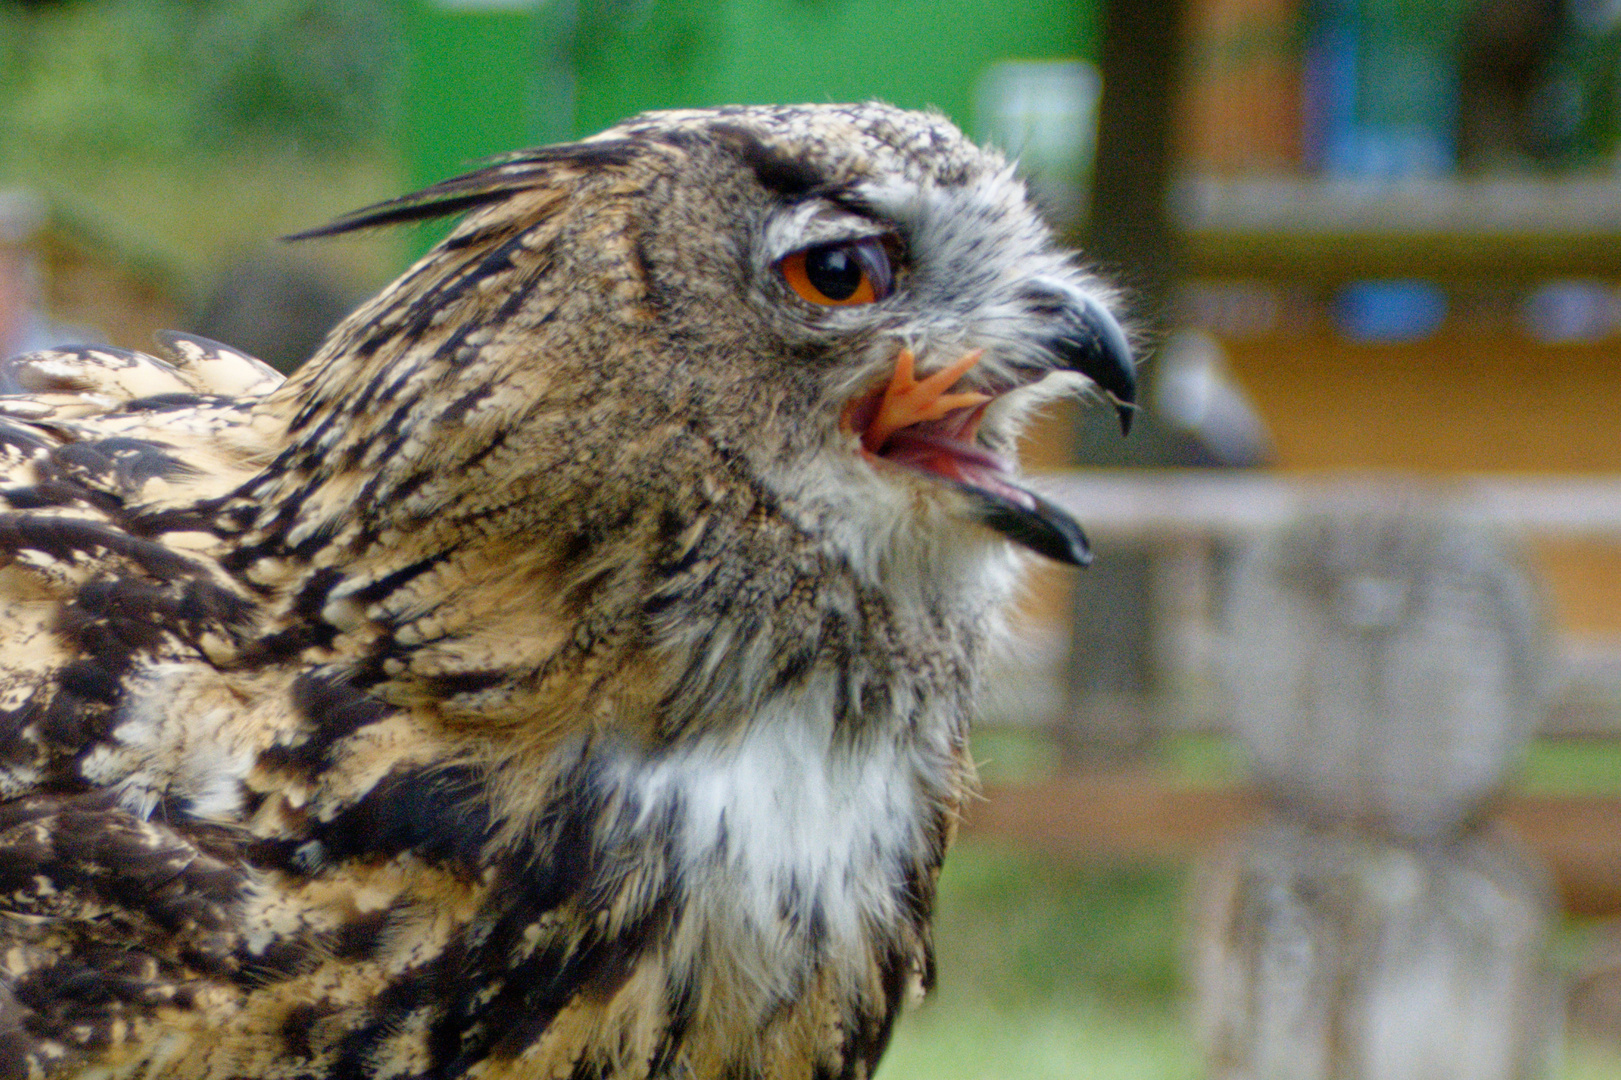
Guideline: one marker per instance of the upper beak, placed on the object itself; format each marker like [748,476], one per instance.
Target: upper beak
[1093,344]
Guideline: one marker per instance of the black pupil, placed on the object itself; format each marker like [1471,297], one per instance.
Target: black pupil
[834,272]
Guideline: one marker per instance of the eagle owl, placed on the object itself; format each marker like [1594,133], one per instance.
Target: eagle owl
[566,672]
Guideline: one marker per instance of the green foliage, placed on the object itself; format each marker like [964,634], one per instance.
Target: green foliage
[1576,111]
[326,71]
[118,78]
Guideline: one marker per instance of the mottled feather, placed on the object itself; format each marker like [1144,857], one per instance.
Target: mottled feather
[544,680]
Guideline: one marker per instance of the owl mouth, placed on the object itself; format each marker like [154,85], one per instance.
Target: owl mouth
[920,425]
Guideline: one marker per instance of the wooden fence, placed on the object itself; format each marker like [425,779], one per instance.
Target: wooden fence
[1377,902]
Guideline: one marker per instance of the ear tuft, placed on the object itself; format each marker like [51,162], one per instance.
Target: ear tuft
[503,177]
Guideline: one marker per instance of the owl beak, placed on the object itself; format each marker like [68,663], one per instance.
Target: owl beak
[922,425]
[1093,344]
[1032,522]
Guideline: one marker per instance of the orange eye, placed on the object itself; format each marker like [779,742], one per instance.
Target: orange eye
[840,275]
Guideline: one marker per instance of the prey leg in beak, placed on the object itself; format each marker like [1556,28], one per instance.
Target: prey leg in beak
[920,424]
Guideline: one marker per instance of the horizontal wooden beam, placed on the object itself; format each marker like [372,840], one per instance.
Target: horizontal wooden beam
[1138,814]
[1310,230]
[1328,260]
[1296,205]
[1150,503]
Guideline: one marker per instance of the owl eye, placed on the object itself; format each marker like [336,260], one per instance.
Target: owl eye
[840,275]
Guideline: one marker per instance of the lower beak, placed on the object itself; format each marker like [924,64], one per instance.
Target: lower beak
[1041,527]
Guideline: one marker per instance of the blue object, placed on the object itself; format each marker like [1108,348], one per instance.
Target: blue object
[1381,87]
[1390,311]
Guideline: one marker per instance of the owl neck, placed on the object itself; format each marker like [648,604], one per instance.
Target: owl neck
[685,605]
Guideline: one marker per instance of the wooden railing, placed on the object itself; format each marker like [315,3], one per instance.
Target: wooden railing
[1186,516]
[1153,504]
[1139,814]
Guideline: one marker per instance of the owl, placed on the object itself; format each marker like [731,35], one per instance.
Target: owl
[566,672]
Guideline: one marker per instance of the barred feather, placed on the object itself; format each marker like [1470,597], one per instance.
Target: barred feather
[540,682]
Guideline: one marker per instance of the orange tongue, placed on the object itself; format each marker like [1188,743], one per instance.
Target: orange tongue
[907,401]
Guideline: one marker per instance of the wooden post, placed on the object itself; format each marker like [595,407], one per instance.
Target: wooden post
[1109,683]
[1334,954]
[1386,670]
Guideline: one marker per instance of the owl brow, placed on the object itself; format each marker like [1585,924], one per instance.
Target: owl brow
[780,173]
[849,200]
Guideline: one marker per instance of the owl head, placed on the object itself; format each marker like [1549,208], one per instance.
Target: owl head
[849,308]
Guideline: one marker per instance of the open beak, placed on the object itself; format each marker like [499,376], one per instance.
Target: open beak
[923,425]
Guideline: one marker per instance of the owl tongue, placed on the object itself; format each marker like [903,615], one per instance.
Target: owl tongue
[935,448]
[917,424]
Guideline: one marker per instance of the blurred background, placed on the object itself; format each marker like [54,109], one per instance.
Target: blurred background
[1317,773]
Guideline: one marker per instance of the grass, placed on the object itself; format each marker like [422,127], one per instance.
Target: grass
[1585,1058]
[1047,1041]
[1050,971]
[1572,767]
